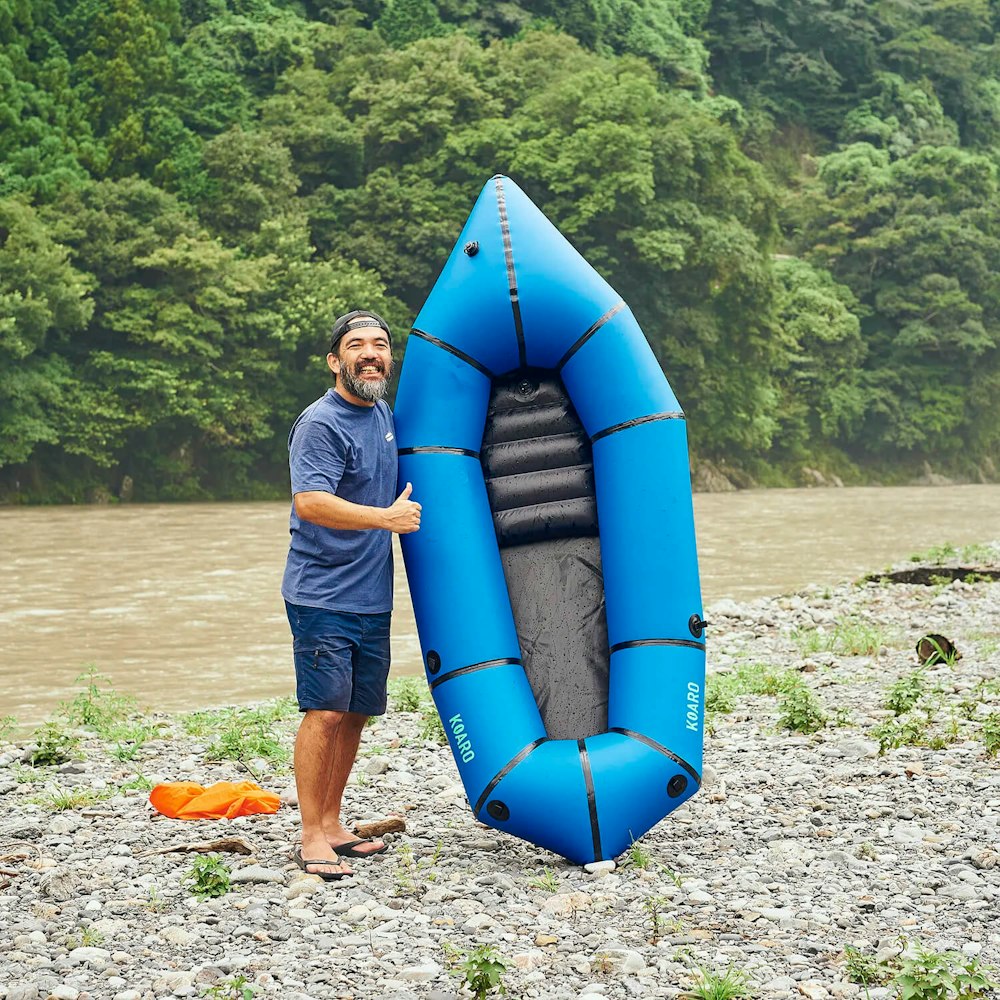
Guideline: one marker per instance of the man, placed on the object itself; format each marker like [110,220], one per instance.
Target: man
[338,579]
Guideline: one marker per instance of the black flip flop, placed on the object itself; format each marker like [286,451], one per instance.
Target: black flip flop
[325,876]
[349,850]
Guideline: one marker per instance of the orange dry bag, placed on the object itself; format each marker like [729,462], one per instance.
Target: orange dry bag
[229,799]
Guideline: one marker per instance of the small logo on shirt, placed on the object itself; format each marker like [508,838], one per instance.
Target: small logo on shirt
[388,436]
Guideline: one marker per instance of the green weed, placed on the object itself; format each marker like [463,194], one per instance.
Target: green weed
[482,971]
[759,678]
[406,867]
[800,711]
[25,775]
[865,970]
[894,733]
[967,707]
[243,742]
[52,746]
[678,880]
[720,694]
[655,907]
[849,638]
[638,856]
[130,738]
[408,694]
[979,553]
[95,707]
[949,975]
[7,726]
[208,877]
[905,693]
[720,986]
[937,554]
[432,729]
[991,733]
[244,734]
[140,783]
[547,880]
[237,988]
[154,901]
[63,799]
[915,731]
[988,645]
[210,722]
[89,937]
[723,690]
[858,639]
[843,717]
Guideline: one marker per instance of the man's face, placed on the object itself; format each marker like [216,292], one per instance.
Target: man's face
[362,364]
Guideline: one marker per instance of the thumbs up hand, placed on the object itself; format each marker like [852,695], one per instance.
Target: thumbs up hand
[404,514]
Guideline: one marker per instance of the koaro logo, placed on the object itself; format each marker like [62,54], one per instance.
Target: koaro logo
[693,706]
[463,745]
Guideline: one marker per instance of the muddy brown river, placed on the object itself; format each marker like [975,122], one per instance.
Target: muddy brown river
[179,605]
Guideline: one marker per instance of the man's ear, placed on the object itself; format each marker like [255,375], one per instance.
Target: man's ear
[333,363]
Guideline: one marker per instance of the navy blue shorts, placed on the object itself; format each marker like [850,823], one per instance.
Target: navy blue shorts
[341,659]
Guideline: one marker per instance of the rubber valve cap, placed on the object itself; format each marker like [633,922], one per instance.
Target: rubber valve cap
[676,785]
[498,810]
[696,626]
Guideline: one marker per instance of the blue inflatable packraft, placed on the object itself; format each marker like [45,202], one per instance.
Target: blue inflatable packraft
[554,577]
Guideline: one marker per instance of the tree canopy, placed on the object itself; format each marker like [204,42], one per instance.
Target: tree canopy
[799,201]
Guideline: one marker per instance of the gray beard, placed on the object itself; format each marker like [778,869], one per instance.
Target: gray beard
[371,392]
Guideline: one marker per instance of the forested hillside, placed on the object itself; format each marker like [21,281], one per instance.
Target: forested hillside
[799,200]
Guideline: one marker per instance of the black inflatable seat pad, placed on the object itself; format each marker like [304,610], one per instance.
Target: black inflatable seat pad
[538,468]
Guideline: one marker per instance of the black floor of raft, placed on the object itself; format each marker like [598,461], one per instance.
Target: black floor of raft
[538,468]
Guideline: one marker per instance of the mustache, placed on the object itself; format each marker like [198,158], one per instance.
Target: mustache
[375,363]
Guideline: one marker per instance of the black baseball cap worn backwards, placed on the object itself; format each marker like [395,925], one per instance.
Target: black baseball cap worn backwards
[354,320]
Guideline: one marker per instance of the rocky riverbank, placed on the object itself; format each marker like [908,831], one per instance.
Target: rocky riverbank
[850,812]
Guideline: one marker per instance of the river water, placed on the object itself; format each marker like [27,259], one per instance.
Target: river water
[179,605]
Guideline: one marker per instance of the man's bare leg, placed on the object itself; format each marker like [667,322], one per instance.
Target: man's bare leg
[315,757]
[346,743]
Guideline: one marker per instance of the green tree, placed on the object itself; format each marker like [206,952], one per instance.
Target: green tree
[44,301]
[405,21]
[121,61]
[327,148]
[801,61]
[900,117]
[250,181]
[198,355]
[44,133]
[649,184]
[823,401]
[915,240]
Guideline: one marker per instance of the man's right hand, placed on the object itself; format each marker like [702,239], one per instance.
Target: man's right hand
[404,514]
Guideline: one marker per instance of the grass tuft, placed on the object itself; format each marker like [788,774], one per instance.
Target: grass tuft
[720,985]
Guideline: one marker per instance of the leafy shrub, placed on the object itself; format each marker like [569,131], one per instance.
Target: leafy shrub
[800,711]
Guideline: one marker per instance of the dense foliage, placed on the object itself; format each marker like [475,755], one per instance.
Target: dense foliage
[799,200]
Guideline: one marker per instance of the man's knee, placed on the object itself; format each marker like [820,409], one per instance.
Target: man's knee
[355,720]
[324,719]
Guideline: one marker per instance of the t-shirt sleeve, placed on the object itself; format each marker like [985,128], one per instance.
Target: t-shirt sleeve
[317,456]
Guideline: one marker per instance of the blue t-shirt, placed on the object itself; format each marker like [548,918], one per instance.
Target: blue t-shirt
[348,450]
